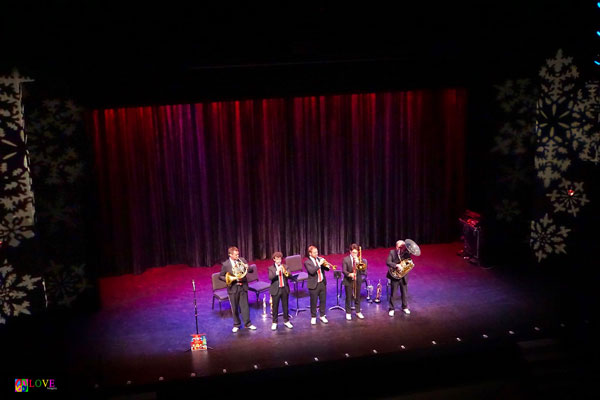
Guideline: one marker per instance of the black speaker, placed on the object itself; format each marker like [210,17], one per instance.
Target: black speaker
[470,223]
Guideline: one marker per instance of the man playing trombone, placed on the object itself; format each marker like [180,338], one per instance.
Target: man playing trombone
[279,290]
[233,272]
[353,280]
[317,284]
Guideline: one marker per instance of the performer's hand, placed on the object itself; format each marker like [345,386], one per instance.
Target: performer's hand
[352,275]
[398,266]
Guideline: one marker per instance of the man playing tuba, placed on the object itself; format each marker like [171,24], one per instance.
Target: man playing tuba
[393,262]
[233,272]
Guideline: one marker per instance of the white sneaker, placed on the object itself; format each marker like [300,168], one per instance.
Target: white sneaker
[313,321]
[391,313]
[252,327]
[324,319]
[288,325]
[348,317]
[406,310]
[273,326]
[235,329]
[360,315]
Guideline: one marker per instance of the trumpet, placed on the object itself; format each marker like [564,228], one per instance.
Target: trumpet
[327,264]
[285,271]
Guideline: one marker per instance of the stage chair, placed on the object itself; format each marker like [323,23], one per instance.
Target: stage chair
[294,266]
[219,290]
[256,285]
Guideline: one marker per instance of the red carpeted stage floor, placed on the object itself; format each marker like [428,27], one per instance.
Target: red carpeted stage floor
[138,340]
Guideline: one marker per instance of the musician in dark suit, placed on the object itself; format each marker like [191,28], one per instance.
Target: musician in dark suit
[393,262]
[317,284]
[238,291]
[352,277]
[279,290]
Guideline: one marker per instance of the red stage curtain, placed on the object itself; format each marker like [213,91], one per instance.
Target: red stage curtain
[181,183]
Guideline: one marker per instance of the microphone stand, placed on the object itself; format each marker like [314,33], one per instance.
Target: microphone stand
[195,306]
[196,315]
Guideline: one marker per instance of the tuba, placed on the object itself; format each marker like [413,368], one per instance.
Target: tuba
[406,264]
[239,271]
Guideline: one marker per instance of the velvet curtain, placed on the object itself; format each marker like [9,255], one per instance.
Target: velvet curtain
[182,183]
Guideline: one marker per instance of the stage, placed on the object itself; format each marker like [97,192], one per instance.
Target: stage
[469,324]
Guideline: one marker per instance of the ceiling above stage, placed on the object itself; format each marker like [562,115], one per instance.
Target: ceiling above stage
[135,52]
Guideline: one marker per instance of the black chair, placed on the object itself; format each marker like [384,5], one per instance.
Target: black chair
[219,290]
[256,285]
[294,266]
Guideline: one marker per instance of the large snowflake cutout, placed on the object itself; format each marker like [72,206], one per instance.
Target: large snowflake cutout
[584,130]
[558,76]
[507,210]
[552,161]
[16,200]
[547,238]
[13,292]
[50,127]
[517,98]
[570,197]
[66,283]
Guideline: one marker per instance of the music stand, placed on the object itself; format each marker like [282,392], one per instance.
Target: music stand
[337,275]
[294,279]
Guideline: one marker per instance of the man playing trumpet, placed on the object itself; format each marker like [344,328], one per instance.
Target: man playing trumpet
[279,290]
[237,288]
[393,262]
[317,284]
[352,281]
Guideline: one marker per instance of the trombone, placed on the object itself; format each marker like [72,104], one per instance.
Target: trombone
[359,267]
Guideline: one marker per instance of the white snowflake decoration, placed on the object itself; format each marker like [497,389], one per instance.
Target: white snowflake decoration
[584,130]
[17,196]
[570,197]
[547,238]
[12,293]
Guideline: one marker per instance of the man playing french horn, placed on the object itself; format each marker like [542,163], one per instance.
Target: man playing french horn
[353,267]
[233,272]
[279,290]
[393,262]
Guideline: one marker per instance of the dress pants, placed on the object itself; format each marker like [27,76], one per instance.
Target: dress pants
[319,292]
[240,300]
[284,297]
[349,295]
[395,284]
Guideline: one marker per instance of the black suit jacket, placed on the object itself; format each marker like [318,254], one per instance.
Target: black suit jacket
[311,269]
[347,269]
[393,259]
[234,288]
[275,280]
